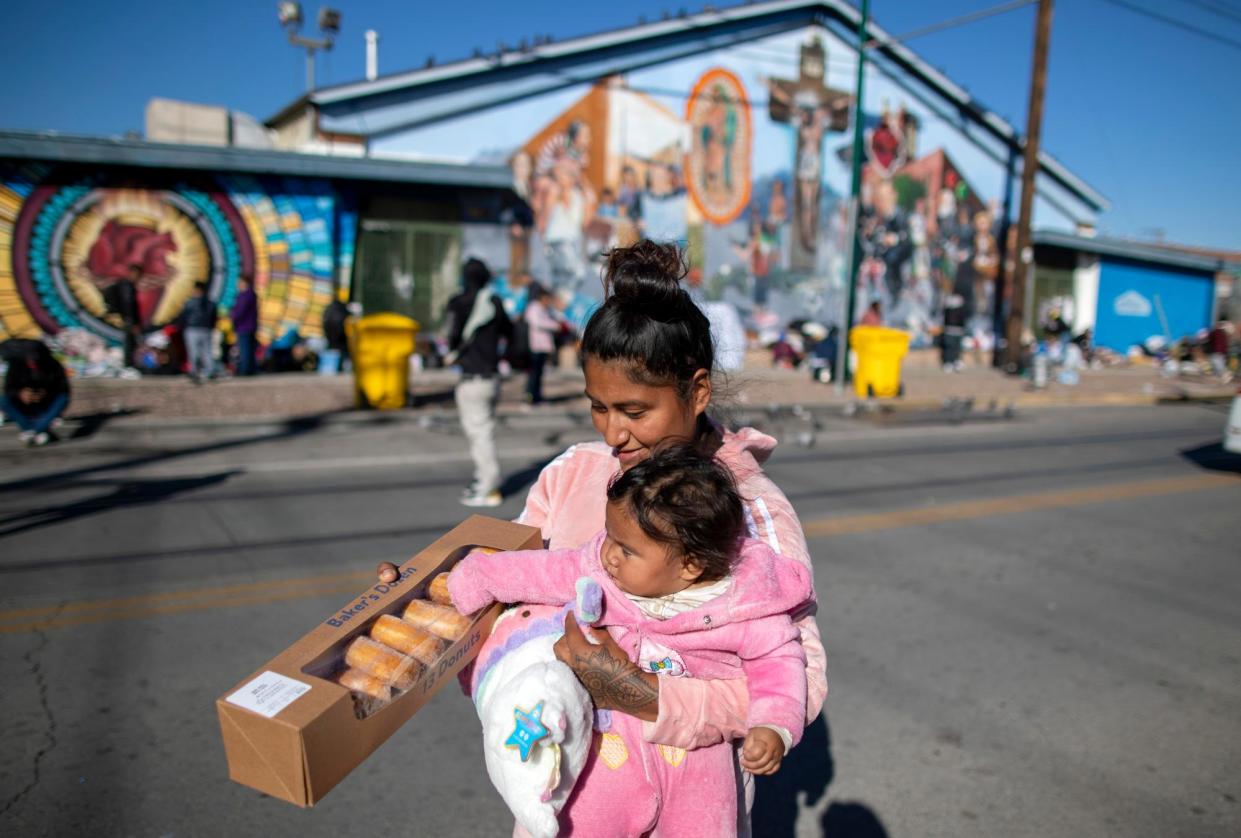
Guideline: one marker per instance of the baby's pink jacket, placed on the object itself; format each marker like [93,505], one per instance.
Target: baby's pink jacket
[743,633]
[567,503]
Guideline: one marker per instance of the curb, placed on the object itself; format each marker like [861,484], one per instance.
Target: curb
[571,417]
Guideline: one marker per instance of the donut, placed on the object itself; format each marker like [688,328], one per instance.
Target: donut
[408,639]
[441,620]
[378,661]
[359,682]
[437,591]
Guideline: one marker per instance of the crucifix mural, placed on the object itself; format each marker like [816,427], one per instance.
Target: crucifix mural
[813,109]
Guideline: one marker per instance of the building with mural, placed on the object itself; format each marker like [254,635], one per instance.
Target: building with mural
[77,214]
[729,132]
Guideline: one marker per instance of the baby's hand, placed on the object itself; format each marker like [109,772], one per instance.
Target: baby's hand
[762,751]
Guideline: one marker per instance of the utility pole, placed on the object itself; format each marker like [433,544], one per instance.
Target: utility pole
[855,208]
[1024,258]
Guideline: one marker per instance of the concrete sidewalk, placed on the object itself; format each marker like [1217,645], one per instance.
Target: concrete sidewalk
[163,401]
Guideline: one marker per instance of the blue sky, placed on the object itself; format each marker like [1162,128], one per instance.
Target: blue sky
[1146,113]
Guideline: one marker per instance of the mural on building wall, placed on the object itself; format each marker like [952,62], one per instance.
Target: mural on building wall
[811,109]
[744,155]
[65,239]
[718,162]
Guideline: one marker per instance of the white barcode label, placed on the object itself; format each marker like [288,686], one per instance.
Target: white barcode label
[268,694]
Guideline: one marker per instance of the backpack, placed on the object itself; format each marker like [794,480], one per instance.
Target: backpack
[517,351]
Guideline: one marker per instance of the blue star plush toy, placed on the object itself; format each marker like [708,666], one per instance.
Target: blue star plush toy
[528,732]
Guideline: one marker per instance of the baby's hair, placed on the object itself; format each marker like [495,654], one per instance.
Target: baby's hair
[684,498]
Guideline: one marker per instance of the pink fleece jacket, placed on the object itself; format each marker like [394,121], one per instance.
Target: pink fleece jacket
[743,633]
[568,502]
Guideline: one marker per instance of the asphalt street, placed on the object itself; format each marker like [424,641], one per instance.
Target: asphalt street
[1033,623]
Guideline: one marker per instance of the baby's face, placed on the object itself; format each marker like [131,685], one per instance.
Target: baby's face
[639,564]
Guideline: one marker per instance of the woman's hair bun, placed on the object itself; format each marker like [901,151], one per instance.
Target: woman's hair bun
[645,271]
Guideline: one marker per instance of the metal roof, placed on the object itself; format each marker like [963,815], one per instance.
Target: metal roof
[1126,249]
[450,89]
[63,148]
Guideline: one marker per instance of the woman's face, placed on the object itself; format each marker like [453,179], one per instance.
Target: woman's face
[633,418]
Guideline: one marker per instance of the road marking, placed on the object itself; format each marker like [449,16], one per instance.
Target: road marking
[278,590]
[152,609]
[964,510]
[142,600]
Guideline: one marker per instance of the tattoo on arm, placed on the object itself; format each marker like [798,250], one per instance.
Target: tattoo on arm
[616,684]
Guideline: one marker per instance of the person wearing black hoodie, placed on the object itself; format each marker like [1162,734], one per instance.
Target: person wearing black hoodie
[477,323]
[36,391]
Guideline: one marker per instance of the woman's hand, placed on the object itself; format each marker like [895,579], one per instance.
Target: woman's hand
[387,572]
[614,683]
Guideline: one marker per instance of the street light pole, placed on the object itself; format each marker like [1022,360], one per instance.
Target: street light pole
[311,45]
[855,243]
[1024,257]
[290,16]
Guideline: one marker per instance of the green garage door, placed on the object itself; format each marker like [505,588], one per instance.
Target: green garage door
[409,267]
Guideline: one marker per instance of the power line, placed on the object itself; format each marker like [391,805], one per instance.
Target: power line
[951,22]
[1216,8]
[1171,21]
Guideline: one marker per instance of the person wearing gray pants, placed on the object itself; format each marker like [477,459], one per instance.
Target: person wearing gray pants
[477,324]
[198,351]
[197,321]
[476,398]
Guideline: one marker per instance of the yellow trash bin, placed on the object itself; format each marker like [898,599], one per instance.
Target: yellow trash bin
[380,345]
[879,353]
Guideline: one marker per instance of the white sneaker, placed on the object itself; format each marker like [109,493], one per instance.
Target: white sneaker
[478,499]
[41,439]
[26,437]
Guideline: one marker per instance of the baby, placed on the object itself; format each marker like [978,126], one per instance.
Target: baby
[684,593]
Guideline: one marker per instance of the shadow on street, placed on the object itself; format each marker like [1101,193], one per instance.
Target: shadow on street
[1214,458]
[90,424]
[295,427]
[809,770]
[123,494]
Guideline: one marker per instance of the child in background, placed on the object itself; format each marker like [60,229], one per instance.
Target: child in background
[684,595]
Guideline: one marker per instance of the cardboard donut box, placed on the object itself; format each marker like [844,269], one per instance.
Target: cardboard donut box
[291,733]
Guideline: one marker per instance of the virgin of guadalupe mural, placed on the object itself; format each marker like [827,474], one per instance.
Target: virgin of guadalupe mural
[718,163]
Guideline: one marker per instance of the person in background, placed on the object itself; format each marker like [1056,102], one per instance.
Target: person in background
[198,322]
[1056,329]
[334,318]
[36,392]
[477,322]
[245,317]
[1217,348]
[821,351]
[544,323]
[122,298]
[950,340]
[872,316]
